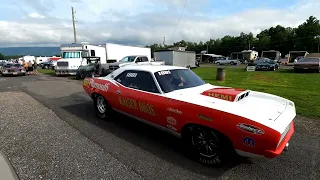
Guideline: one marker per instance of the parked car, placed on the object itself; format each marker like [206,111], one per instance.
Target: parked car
[266,64]
[213,121]
[225,61]
[13,69]
[47,65]
[307,64]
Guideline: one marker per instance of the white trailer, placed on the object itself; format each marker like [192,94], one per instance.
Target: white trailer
[176,58]
[115,52]
[73,55]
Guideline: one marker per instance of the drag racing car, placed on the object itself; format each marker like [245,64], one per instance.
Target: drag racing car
[213,122]
[11,69]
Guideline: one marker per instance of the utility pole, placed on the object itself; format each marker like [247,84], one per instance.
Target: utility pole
[74,26]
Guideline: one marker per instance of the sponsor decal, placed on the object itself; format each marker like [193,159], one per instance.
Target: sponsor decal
[161,73]
[171,127]
[171,121]
[250,129]
[86,82]
[133,75]
[201,116]
[248,141]
[102,87]
[174,111]
[137,105]
[221,96]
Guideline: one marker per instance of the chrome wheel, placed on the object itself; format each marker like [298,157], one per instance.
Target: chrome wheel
[205,142]
[101,104]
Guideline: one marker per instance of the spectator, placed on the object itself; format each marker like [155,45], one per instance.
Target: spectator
[30,68]
[35,65]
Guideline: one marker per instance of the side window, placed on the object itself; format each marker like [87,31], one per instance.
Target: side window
[140,80]
[93,53]
[145,59]
[138,59]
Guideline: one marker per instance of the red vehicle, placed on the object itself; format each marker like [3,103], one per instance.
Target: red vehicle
[212,121]
[13,70]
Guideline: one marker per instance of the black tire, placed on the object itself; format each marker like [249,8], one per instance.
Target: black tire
[197,138]
[232,63]
[218,63]
[78,77]
[105,112]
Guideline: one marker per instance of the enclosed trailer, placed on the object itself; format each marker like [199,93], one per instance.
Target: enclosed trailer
[176,58]
[115,52]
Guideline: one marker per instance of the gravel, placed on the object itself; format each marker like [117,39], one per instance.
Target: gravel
[42,146]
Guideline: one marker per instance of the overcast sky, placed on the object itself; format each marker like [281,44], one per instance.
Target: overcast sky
[141,22]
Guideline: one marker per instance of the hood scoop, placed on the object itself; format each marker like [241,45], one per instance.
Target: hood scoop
[228,94]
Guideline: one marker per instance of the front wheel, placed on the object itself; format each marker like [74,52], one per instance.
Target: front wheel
[102,107]
[205,145]
[218,63]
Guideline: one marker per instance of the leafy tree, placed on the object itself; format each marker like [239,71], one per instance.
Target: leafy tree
[2,57]
[306,37]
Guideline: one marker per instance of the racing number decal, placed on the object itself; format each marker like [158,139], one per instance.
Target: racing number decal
[164,73]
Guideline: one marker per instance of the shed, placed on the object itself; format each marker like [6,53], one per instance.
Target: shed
[176,58]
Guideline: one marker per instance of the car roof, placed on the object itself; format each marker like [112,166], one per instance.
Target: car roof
[151,68]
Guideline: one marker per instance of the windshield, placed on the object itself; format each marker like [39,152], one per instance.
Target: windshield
[128,59]
[71,55]
[171,80]
[308,60]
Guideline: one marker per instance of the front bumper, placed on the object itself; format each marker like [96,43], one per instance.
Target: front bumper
[66,71]
[282,146]
[14,73]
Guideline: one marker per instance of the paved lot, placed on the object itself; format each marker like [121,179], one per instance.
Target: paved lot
[61,138]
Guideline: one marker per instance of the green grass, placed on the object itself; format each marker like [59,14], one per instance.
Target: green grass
[50,72]
[301,88]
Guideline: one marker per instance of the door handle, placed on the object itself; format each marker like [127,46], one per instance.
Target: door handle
[118,92]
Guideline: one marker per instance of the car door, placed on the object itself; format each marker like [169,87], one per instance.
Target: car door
[139,96]
[145,60]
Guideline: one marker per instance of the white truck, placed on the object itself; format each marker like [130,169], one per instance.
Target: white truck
[134,60]
[74,55]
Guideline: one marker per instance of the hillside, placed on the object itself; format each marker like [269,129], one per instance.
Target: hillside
[33,51]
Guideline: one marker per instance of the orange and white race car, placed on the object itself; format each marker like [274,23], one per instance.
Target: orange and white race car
[213,121]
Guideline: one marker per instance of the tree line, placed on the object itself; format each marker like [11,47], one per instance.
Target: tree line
[305,37]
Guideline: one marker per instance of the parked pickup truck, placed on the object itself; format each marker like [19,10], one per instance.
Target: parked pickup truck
[129,60]
[227,61]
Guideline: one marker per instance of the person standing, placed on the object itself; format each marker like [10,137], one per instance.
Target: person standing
[30,68]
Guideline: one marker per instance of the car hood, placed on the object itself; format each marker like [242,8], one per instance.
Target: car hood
[257,106]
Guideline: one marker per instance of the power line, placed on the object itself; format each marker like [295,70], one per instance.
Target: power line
[185,3]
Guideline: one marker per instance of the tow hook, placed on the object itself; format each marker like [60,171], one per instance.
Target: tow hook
[287,147]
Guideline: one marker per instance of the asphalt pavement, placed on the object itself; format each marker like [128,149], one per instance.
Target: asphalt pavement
[48,130]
